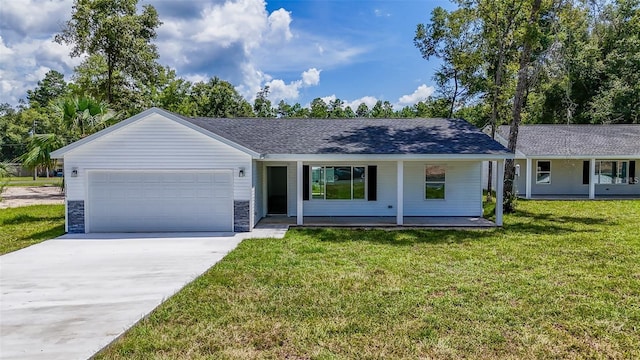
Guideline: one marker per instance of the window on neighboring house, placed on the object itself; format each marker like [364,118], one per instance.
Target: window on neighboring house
[543,172]
[611,172]
[434,182]
[338,182]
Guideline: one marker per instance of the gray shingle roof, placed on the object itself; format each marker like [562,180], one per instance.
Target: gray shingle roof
[353,136]
[577,140]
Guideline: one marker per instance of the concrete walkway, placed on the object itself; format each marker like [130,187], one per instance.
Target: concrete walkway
[67,298]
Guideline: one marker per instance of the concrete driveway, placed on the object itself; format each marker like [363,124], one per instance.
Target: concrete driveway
[67,298]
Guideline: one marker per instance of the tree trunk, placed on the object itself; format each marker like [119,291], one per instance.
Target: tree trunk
[518,102]
[455,93]
[494,113]
[109,78]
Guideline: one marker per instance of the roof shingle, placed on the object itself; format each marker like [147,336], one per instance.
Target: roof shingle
[576,140]
[353,136]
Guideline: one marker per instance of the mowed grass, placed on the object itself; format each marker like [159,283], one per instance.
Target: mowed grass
[24,226]
[560,280]
[28,181]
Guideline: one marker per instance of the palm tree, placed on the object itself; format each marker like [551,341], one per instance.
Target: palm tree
[39,150]
[83,116]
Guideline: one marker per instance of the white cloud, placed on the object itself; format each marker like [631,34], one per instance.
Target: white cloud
[236,40]
[370,101]
[311,77]
[25,63]
[279,90]
[279,22]
[328,99]
[422,93]
[381,13]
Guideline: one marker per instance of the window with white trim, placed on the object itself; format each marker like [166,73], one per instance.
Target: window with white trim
[611,172]
[338,182]
[543,172]
[435,180]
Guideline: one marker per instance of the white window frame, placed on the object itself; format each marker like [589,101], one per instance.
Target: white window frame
[538,171]
[624,179]
[426,182]
[324,174]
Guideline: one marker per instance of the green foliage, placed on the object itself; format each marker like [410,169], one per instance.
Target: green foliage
[262,105]
[82,116]
[450,36]
[218,98]
[48,89]
[116,32]
[319,109]
[40,148]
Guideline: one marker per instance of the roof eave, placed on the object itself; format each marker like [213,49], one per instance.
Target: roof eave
[385,157]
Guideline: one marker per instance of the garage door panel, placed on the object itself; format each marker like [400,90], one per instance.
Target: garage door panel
[139,201]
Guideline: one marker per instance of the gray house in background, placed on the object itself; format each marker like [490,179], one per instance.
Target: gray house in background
[590,161]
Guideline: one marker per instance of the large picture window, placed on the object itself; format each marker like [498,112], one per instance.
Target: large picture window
[611,172]
[434,182]
[338,182]
[543,172]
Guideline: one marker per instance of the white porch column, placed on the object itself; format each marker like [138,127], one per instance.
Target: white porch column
[592,179]
[299,192]
[528,180]
[400,194]
[499,190]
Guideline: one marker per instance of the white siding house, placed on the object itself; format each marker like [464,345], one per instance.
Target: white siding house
[159,171]
[576,161]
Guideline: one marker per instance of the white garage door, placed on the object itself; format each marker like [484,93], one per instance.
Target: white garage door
[160,201]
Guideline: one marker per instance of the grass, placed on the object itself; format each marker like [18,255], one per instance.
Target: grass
[560,280]
[28,181]
[24,226]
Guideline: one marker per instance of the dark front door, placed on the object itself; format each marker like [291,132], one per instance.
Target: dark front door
[277,189]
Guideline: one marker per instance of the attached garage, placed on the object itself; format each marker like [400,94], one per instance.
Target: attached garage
[157,172]
[144,201]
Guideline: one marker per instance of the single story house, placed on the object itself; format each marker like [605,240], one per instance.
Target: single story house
[576,161]
[159,171]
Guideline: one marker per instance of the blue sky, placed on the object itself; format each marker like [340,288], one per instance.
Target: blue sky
[355,50]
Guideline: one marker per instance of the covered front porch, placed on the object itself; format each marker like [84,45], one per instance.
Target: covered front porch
[446,222]
[292,193]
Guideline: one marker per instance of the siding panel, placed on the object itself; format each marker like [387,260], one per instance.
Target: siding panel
[463,190]
[156,143]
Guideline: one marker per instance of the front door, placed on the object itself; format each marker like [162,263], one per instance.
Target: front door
[277,190]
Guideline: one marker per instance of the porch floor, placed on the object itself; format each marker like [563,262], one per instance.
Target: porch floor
[379,221]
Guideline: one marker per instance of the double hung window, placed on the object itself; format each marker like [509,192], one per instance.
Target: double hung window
[435,177]
[338,182]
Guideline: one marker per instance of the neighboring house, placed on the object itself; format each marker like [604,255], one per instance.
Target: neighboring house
[576,161]
[159,171]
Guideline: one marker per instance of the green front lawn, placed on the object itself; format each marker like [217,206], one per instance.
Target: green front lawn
[28,181]
[560,280]
[24,226]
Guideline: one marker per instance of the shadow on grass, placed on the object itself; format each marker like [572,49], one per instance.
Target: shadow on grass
[436,237]
[20,219]
[564,219]
[397,237]
[47,234]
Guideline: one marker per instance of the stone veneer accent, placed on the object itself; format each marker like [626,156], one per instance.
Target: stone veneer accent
[75,216]
[241,216]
